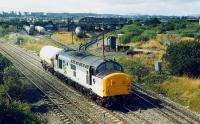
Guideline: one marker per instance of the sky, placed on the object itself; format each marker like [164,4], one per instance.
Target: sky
[122,7]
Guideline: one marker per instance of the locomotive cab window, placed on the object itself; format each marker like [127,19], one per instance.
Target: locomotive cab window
[60,62]
[109,66]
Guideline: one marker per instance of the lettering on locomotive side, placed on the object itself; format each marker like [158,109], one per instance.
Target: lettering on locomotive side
[80,64]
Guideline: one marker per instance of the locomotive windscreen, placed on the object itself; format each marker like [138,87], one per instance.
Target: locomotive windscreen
[109,66]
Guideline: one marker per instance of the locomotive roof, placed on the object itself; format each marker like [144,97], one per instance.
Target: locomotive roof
[82,57]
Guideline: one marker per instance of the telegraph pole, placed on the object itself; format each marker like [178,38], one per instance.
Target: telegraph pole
[103,46]
[72,25]
[103,41]
[72,37]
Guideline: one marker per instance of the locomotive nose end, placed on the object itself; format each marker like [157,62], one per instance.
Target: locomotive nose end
[116,84]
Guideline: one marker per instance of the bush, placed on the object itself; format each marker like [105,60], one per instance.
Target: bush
[4,62]
[126,38]
[20,40]
[135,68]
[17,113]
[149,34]
[184,58]
[156,77]
[11,73]
[166,27]
[152,22]
[139,39]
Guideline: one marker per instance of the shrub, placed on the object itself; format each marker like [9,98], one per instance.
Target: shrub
[4,62]
[156,77]
[20,40]
[11,73]
[184,58]
[17,112]
[139,39]
[152,22]
[149,34]
[126,38]
[135,68]
[166,27]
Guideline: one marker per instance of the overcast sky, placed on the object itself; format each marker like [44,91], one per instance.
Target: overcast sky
[152,7]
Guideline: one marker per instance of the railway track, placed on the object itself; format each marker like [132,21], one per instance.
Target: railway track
[56,98]
[89,111]
[170,110]
[105,112]
[56,42]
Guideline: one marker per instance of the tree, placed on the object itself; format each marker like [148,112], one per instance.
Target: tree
[11,73]
[184,58]
[149,34]
[17,113]
[4,62]
[166,27]
[152,22]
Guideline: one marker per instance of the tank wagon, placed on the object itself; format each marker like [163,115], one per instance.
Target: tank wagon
[101,80]
[29,29]
[79,32]
[40,29]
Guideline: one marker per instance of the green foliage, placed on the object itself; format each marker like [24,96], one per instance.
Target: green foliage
[184,58]
[14,87]
[190,30]
[17,113]
[149,34]
[126,38]
[4,62]
[130,31]
[135,68]
[20,40]
[138,32]
[10,73]
[152,22]
[139,38]
[1,78]
[5,29]
[156,77]
[197,36]
[13,111]
[166,27]
[156,88]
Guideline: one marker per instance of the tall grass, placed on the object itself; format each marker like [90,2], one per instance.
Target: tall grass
[66,38]
[153,44]
[185,91]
